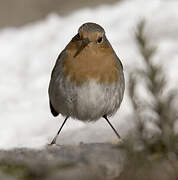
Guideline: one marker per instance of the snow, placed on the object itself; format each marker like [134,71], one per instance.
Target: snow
[28,55]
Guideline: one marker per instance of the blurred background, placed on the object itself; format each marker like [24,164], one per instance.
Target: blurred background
[34,32]
[20,12]
[144,35]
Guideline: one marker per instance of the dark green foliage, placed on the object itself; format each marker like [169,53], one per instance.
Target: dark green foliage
[162,105]
[158,157]
[145,166]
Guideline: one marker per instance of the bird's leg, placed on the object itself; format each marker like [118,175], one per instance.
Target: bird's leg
[105,117]
[55,138]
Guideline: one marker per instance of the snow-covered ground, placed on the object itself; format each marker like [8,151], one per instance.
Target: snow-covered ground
[28,54]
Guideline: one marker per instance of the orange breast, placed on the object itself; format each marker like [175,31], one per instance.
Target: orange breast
[98,63]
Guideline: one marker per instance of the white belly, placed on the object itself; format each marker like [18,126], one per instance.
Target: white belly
[86,102]
[96,100]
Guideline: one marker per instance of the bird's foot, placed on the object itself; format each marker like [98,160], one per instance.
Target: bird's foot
[53,142]
[117,141]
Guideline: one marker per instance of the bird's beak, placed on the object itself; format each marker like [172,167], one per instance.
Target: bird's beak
[85,42]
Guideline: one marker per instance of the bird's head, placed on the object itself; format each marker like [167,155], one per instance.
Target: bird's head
[90,33]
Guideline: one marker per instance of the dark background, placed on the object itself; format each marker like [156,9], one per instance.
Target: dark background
[19,12]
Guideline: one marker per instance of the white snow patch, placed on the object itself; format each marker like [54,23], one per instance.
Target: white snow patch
[28,55]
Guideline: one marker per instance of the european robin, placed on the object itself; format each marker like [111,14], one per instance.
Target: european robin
[87,81]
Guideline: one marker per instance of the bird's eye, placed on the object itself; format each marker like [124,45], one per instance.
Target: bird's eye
[100,40]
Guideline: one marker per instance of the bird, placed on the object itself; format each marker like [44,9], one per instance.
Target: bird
[87,82]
